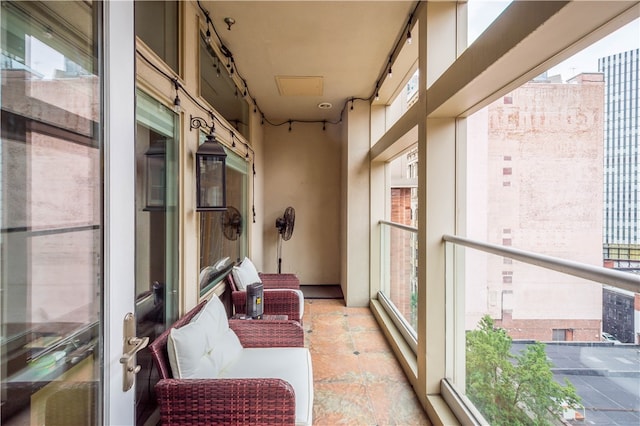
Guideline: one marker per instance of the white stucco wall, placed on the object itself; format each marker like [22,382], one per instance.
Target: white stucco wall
[302,169]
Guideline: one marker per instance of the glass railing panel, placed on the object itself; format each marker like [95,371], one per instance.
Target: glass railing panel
[534,348]
[399,272]
[548,170]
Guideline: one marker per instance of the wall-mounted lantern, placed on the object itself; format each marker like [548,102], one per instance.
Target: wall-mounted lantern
[155,184]
[211,193]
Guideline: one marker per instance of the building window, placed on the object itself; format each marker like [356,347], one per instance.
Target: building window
[223,235]
[220,90]
[559,335]
[157,26]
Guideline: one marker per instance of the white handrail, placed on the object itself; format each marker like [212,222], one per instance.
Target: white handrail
[612,277]
[398,225]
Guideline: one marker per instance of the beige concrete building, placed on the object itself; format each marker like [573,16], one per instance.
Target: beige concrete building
[536,184]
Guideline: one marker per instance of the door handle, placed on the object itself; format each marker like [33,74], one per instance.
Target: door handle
[135,345]
[131,346]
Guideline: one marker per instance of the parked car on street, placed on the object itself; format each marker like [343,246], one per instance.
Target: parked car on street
[606,337]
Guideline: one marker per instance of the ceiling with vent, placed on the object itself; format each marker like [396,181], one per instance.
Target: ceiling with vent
[295,55]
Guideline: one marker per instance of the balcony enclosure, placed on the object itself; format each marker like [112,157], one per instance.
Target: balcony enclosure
[448,174]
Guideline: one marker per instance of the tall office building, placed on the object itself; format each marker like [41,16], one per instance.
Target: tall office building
[621,233]
[621,244]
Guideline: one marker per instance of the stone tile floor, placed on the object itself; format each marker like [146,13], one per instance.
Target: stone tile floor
[357,380]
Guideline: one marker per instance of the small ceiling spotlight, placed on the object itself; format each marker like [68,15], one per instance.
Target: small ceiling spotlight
[229,21]
[325,105]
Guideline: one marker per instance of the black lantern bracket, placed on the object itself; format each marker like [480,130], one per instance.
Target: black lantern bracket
[199,122]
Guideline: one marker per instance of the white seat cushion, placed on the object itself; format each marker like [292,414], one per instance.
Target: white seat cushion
[189,353]
[292,365]
[205,346]
[245,274]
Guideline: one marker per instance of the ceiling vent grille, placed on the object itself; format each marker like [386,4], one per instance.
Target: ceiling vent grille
[300,85]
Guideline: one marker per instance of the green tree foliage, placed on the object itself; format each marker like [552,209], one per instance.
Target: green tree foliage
[512,389]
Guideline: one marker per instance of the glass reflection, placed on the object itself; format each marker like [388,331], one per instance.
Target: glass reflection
[50,214]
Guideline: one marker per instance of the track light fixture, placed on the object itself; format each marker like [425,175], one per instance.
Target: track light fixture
[388,73]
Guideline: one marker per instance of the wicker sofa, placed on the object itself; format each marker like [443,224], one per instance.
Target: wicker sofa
[270,382]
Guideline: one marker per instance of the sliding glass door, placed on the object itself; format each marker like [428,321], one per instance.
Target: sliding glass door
[51,226]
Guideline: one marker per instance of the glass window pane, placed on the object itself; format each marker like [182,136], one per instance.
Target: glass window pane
[156,234]
[217,87]
[224,234]
[548,172]
[481,14]
[50,214]
[157,26]
[400,243]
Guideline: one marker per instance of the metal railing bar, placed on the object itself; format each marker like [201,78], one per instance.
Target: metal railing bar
[398,225]
[612,277]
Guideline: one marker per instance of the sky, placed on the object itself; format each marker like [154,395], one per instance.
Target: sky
[483,12]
